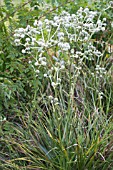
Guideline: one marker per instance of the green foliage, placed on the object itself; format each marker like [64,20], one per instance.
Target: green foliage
[61,139]
[35,133]
[15,73]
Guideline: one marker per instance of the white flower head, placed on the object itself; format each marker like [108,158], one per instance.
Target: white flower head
[17,40]
[27,39]
[62,67]
[33,39]
[40,23]
[86,10]
[37,71]
[27,48]
[104,19]
[16,35]
[66,46]
[36,63]
[40,59]
[53,84]
[72,51]
[43,63]
[30,62]
[55,99]
[50,97]
[45,75]
[22,35]
[56,18]
[35,23]
[103,28]
[27,28]
[20,30]
[60,34]
[23,51]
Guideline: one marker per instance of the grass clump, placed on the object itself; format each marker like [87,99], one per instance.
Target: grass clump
[68,123]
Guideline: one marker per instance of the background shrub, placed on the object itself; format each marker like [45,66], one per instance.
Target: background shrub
[68,127]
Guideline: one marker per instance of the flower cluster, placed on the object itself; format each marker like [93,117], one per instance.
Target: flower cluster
[70,34]
[100,71]
[61,31]
[53,100]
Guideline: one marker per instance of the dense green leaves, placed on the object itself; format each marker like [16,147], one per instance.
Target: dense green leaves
[35,132]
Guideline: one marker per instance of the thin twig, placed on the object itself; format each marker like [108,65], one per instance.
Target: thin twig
[7,16]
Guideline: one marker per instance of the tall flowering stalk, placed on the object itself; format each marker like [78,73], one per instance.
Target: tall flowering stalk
[63,43]
[55,133]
